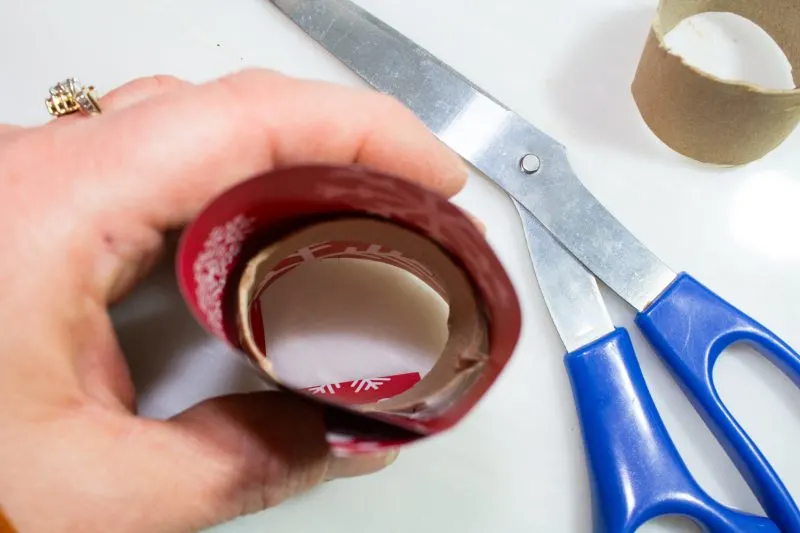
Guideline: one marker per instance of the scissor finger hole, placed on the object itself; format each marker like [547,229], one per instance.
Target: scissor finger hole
[669,524]
[765,403]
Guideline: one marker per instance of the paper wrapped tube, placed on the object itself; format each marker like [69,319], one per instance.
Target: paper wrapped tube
[464,354]
[706,118]
[260,230]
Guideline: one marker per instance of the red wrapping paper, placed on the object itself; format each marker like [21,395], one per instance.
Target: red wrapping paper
[234,227]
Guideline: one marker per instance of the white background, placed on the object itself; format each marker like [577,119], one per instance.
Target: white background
[516,464]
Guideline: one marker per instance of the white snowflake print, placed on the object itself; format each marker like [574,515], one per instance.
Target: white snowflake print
[212,265]
[368,384]
[325,389]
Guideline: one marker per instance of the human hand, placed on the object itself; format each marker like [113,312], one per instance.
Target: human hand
[85,202]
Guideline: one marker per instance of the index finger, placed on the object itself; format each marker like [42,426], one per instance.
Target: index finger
[167,156]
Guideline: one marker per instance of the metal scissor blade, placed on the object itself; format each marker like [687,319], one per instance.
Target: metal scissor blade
[570,291]
[490,136]
[394,65]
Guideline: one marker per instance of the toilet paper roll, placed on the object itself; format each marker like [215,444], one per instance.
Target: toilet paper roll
[704,117]
[262,229]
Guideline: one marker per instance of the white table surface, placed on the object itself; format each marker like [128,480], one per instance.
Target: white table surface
[516,463]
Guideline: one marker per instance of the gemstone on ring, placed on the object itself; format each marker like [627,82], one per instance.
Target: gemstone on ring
[70,96]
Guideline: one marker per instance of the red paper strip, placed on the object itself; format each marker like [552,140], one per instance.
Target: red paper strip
[367,390]
[233,227]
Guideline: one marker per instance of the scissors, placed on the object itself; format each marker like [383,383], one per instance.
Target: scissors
[635,470]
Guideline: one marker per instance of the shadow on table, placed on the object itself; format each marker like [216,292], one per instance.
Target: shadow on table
[592,91]
[169,354]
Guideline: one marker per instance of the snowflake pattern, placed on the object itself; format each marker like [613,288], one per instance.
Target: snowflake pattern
[212,265]
[325,389]
[368,384]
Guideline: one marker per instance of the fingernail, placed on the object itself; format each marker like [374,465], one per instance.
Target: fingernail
[464,166]
[359,465]
[391,457]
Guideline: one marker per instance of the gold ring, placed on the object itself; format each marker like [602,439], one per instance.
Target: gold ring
[70,96]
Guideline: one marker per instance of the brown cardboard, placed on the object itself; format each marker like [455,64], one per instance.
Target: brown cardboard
[393,221]
[465,352]
[706,118]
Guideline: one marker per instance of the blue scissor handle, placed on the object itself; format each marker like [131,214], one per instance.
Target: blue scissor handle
[690,326]
[635,471]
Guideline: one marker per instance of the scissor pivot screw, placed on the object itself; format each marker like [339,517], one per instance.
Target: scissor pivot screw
[530,164]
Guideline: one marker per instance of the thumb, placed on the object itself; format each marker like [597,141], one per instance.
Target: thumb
[245,453]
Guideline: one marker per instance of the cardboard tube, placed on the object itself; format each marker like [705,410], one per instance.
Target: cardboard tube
[464,354]
[706,118]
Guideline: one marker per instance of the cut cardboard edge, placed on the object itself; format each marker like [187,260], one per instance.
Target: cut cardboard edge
[465,352]
[706,118]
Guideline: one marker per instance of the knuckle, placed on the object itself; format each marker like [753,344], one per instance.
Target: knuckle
[166,81]
[275,484]
[153,84]
[247,80]
[142,88]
